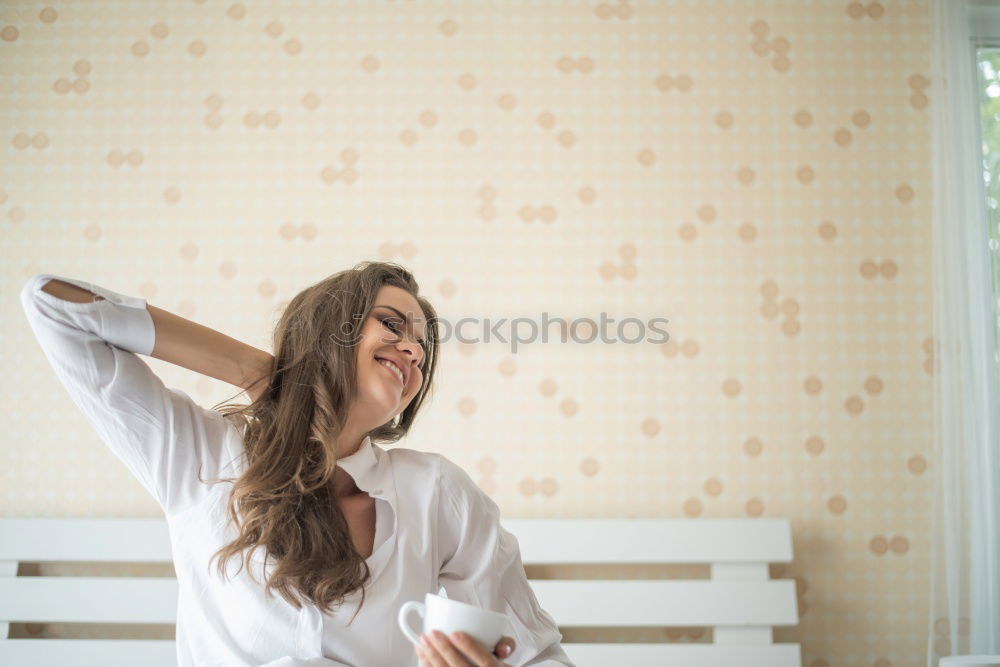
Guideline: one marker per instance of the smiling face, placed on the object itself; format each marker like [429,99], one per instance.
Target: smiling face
[392,335]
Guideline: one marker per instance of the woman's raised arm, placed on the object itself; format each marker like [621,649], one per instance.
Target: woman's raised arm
[209,352]
[93,338]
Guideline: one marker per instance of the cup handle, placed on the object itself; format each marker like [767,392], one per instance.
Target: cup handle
[404,624]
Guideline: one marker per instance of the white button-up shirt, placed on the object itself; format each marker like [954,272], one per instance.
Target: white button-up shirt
[435,529]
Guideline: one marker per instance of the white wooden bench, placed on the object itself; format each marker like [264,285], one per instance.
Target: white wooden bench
[739,602]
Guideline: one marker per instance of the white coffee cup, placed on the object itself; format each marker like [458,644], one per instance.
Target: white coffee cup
[447,616]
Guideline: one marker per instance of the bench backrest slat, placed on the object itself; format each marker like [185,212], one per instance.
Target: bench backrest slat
[628,603]
[579,540]
[98,540]
[688,655]
[652,540]
[88,599]
[161,653]
[88,652]
[623,603]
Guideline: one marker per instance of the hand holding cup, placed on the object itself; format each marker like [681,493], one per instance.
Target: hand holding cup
[456,634]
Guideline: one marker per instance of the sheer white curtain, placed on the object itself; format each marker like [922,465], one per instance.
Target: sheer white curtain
[965,535]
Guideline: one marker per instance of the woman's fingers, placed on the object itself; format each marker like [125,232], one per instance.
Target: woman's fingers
[441,651]
[428,656]
[444,650]
[505,647]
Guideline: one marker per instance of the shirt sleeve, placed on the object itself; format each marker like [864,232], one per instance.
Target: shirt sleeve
[163,437]
[482,566]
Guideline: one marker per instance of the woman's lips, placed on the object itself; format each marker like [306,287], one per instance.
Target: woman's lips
[394,376]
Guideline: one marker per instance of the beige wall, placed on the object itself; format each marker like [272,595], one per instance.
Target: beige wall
[756,172]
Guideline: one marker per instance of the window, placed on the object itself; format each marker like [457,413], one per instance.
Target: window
[986,46]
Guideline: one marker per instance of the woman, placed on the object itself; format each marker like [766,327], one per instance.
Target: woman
[293,486]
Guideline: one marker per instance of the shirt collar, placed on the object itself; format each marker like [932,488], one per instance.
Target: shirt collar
[365,467]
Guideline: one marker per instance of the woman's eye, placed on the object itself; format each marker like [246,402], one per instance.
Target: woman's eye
[394,327]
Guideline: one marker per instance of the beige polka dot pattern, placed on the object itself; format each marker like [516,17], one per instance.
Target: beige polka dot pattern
[918,82]
[769,199]
[625,267]
[858,11]
[775,46]
[770,308]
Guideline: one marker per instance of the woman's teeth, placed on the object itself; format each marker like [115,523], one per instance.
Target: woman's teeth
[392,367]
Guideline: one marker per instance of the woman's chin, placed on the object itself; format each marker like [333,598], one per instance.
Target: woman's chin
[383,399]
[388,404]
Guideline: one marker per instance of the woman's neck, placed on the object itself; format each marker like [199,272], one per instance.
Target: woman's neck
[344,484]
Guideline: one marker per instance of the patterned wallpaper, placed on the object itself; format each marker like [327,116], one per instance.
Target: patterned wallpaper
[755,172]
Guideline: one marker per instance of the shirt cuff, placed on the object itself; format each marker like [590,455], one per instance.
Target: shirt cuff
[124,320]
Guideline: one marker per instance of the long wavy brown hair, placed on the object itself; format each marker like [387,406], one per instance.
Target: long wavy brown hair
[284,500]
